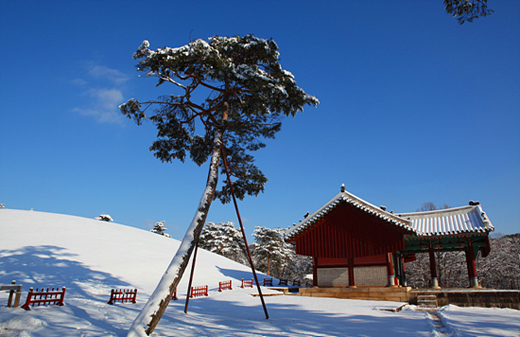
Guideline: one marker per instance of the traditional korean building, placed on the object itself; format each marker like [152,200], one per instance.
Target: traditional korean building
[354,243]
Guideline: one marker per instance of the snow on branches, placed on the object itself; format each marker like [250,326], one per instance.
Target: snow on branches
[278,257]
[224,239]
[242,79]
[159,228]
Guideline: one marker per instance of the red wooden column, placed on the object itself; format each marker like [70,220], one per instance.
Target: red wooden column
[351,282]
[390,270]
[405,282]
[472,267]
[314,272]
[433,269]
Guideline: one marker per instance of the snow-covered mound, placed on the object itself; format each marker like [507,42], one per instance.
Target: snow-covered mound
[45,249]
[90,257]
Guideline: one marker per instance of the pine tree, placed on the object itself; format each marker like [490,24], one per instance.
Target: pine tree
[270,250]
[467,10]
[159,228]
[224,239]
[247,93]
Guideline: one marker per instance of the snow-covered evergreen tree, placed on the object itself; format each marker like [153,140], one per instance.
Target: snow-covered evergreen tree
[271,251]
[104,217]
[159,228]
[247,93]
[224,239]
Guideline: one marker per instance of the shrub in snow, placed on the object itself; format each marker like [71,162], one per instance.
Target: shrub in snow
[160,229]
[104,217]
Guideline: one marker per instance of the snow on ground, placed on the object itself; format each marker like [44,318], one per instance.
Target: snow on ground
[91,257]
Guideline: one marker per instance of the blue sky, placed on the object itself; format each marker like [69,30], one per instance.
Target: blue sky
[414,108]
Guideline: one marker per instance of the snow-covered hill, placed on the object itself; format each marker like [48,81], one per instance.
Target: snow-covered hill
[90,257]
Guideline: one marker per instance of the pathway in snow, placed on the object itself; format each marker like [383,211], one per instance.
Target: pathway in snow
[438,328]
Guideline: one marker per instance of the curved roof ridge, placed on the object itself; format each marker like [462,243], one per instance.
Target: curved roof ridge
[356,202]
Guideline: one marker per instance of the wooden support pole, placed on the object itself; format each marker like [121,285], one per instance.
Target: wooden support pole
[188,295]
[224,160]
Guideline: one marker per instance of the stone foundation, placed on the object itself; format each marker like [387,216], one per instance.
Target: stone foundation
[486,298]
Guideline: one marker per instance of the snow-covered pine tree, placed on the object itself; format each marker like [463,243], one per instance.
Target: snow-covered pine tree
[224,239]
[270,250]
[159,228]
[247,93]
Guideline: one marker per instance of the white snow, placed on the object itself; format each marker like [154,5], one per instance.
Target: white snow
[90,257]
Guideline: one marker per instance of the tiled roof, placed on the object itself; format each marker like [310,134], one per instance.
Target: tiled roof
[449,221]
[355,201]
[466,219]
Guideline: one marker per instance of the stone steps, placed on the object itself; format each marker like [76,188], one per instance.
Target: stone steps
[427,300]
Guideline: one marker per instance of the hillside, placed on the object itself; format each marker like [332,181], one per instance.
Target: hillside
[90,257]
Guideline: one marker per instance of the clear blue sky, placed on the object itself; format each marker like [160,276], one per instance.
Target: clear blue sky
[414,108]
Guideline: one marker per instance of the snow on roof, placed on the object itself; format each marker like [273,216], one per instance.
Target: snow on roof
[353,200]
[448,221]
[432,223]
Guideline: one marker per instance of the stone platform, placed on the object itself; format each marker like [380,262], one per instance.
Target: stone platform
[489,298]
[397,294]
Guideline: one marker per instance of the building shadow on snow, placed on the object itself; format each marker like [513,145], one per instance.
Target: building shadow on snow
[228,318]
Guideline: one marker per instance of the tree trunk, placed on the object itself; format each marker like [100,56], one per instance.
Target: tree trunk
[149,317]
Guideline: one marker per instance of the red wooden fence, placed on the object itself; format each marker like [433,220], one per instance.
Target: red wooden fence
[296,283]
[282,282]
[224,285]
[42,297]
[247,283]
[199,291]
[123,295]
[268,282]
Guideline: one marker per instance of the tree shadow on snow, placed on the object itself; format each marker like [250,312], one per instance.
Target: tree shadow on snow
[53,267]
[228,318]
[246,275]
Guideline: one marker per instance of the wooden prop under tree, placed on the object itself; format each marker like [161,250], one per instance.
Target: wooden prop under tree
[249,93]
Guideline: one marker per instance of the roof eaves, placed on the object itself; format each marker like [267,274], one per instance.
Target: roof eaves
[356,202]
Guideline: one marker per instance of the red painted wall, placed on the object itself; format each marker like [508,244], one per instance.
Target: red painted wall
[348,232]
